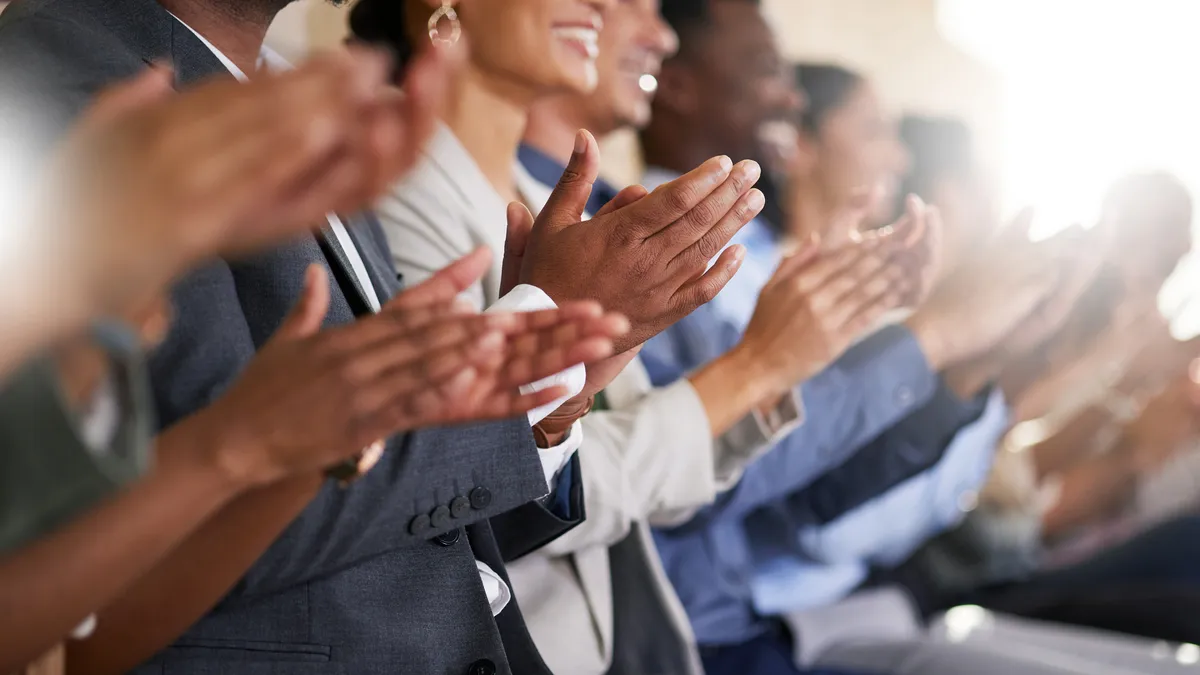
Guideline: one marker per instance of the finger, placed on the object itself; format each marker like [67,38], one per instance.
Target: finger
[699,254]
[832,264]
[711,211]
[622,199]
[426,90]
[151,85]
[869,315]
[516,239]
[446,283]
[546,362]
[569,199]
[508,403]
[869,292]
[306,317]
[844,286]
[433,367]
[671,201]
[568,312]
[704,288]
[804,255]
[392,350]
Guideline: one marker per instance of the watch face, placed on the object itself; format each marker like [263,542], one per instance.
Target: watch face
[370,456]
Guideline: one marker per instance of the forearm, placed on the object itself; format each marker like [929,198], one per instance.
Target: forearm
[50,586]
[185,585]
[732,387]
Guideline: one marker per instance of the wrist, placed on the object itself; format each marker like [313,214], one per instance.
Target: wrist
[733,386]
[556,426]
[231,450]
[928,332]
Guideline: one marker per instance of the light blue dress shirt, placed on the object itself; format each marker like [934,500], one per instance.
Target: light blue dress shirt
[830,561]
[872,387]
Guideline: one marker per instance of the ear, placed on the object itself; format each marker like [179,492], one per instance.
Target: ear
[678,89]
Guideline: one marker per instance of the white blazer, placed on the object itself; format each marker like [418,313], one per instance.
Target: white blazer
[650,459]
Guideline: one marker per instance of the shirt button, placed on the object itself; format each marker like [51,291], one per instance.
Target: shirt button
[420,526]
[448,538]
[440,518]
[460,507]
[968,501]
[482,667]
[904,395]
[481,498]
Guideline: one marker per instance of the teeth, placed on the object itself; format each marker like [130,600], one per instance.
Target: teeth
[588,37]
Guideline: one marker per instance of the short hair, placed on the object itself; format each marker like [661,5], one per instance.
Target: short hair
[826,88]
[690,19]
[383,23]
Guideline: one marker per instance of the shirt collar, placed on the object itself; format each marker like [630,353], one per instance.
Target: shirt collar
[267,57]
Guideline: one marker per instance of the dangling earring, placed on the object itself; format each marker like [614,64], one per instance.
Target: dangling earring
[446,11]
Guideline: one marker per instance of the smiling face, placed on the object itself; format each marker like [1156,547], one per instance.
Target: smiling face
[856,147]
[536,46]
[633,45]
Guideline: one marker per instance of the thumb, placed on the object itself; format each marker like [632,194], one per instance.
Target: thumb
[520,224]
[306,317]
[151,85]
[569,199]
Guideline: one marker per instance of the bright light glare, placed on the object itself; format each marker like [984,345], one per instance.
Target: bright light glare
[648,83]
[1093,90]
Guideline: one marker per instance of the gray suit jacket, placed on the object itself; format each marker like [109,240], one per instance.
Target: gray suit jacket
[374,579]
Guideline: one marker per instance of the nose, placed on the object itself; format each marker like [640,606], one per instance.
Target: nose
[601,6]
[662,38]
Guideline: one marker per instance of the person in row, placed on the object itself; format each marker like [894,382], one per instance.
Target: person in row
[735,566]
[655,455]
[80,532]
[391,547]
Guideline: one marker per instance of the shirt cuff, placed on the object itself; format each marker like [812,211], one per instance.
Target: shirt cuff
[555,459]
[526,298]
[783,419]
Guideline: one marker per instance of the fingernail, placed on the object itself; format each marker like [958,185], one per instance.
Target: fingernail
[739,254]
[755,201]
[725,163]
[749,171]
[580,142]
[622,325]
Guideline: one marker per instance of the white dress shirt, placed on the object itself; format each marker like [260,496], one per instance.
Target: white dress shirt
[523,298]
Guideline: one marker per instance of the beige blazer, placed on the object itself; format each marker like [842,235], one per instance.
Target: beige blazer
[651,459]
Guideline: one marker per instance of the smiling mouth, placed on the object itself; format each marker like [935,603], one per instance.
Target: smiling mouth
[584,40]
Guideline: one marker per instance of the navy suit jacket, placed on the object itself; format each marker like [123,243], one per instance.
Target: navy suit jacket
[377,578]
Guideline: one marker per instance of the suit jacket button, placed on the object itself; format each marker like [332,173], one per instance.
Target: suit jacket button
[482,667]
[481,498]
[449,538]
[440,517]
[460,507]
[420,526]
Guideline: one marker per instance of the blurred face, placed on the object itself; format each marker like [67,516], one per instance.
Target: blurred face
[858,148]
[633,44]
[535,46]
[742,81]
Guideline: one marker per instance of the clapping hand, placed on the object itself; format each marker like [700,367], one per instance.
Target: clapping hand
[313,398]
[649,259]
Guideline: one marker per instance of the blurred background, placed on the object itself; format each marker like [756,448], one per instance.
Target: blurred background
[1062,96]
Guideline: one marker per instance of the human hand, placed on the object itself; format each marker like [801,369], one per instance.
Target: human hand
[987,298]
[311,399]
[151,182]
[1167,421]
[648,260]
[815,306]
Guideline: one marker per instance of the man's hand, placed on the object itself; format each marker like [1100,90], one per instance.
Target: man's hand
[311,399]
[648,260]
[151,182]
